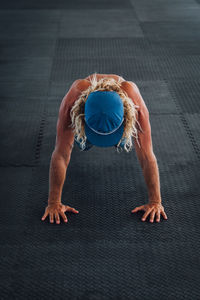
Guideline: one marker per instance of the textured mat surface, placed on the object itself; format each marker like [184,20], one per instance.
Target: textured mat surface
[23,88]
[34,48]
[159,11]
[172,31]
[187,94]
[62,4]
[99,23]
[145,68]
[104,252]
[101,47]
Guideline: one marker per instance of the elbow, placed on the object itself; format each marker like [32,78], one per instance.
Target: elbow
[64,157]
[149,159]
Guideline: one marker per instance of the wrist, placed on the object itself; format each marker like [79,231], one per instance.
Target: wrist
[54,202]
[155,200]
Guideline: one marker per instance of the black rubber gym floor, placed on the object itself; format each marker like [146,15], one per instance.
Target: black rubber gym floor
[104,252]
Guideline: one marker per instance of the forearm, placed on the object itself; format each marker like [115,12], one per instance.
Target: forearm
[151,176]
[57,174]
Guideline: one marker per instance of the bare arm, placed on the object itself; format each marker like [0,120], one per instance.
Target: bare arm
[64,143]
[57,175]
[61,156]
[145,152]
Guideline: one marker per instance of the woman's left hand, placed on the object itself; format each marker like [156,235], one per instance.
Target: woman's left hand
[154,209]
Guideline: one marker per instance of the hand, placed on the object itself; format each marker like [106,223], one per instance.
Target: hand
[56,209]
[154,209]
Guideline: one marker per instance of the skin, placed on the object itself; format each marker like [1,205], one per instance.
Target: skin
[64,144]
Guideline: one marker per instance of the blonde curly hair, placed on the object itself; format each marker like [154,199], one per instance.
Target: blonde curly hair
[130,112]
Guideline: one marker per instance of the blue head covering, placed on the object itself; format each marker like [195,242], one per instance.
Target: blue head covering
[104,116]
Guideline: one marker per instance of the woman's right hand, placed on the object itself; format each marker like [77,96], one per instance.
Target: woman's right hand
[55,210]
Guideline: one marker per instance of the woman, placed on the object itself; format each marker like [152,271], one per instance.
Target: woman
[103,110]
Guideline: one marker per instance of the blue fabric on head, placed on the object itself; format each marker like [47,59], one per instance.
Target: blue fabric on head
[104,116]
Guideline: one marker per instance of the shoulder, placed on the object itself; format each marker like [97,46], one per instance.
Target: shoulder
[69,99]
[129,86]
[81,84]
[78,86]
[133,92]
[74,91]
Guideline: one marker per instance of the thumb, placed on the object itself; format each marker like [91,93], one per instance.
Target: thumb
[137,208]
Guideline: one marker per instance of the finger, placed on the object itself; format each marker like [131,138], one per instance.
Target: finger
[158,216]
[164,214]
[137,208]
[57,217]
[72,209]
[146,214]
[51,217]
[152,216]
[63,216]
[45,215]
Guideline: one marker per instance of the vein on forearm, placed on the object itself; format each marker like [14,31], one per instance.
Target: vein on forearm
[56,178]
[151,176]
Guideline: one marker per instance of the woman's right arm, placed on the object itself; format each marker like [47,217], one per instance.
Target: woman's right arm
[61,155]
